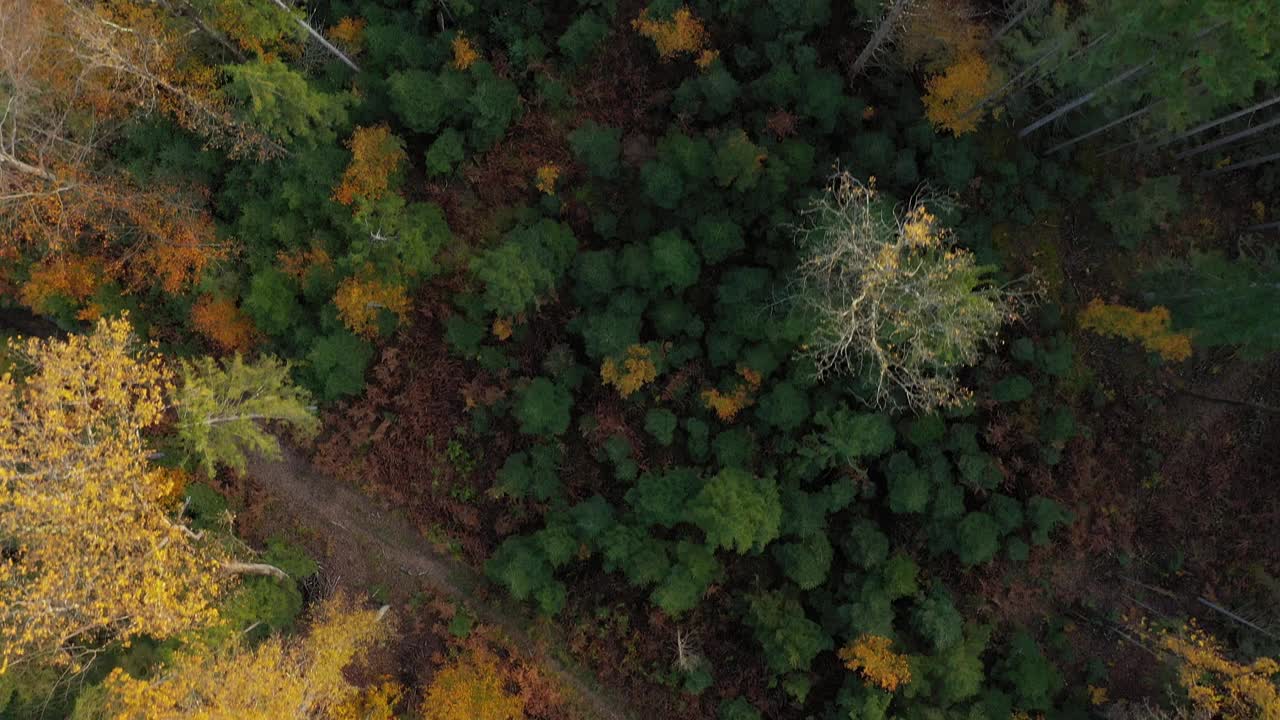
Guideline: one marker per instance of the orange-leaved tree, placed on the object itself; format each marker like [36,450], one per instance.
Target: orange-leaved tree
[281,678]
[223,324]
[471,688]
[74,75]
[376,158]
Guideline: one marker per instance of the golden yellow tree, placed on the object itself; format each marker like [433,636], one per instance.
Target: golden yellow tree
[1217,686]
[359,301]
[634,372]
[951,96]
[728,405]
[681,34]
[471,688]
[1149,327]
[279,679]
[94,548]
[871,657]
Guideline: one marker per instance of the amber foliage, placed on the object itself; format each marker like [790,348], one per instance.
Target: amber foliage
[298,263]
[546,178]
[635,371]
[279,678]
[103,553]
[681,34]
[464,52]
[1149,327]
[376,156]
[72,277]
[951,97]
[471,688]
[222,323]
[728,405]
[871,657]
[1217,686]
[359,301]
[349,34]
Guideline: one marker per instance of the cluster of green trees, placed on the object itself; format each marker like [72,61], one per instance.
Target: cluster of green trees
[772,351]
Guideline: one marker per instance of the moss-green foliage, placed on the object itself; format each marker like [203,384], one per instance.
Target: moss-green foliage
[582,37]
[789,638]
[337,362]
[1133,213]
[525,267]
[542,408]
[445,152]
[977,538]
[661,424]
[598,148]
[222,408]
[737,510]
[533,474]
[737,709]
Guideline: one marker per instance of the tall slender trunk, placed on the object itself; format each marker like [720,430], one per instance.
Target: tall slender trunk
[882,33]
[319,38]
[1064,109]
[1241,165]
[1214,123]
[1013,21]
[1000,91]
[1199,149]
[1098,130]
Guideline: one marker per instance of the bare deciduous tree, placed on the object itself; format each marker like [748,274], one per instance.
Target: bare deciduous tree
[892,299]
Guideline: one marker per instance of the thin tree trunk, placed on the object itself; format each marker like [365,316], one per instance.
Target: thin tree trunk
[319,38]
[1224,401]
[1064,109]
[1013,22]
[1214,123]
[882,33]
[26,169]
[999,92]
[1080,138]
[1228,139]
[1241,165]
[262,569]
[188,11]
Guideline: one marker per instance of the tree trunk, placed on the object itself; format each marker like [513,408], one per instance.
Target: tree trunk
[319,38]
[1241,165]
[882,33]
[1214,123]
[1000,91]
[1080,138]
[239,568]
[1013,21]
[1228,139]
[1064,109]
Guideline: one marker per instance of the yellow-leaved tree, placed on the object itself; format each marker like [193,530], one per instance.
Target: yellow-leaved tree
[93,549]
[294,678]
[92,545]
[470,688]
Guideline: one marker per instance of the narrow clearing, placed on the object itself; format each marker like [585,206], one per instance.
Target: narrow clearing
[359,533]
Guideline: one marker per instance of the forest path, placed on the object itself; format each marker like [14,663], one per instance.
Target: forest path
[387,550]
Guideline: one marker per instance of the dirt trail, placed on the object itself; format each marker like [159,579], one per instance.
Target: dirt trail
[388,551]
